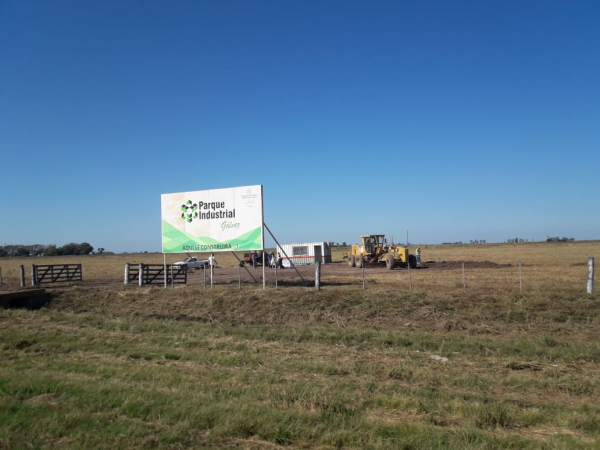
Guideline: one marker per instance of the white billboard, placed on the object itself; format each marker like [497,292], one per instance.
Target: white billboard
[213,221]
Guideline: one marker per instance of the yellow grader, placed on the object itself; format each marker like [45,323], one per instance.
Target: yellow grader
[375,250]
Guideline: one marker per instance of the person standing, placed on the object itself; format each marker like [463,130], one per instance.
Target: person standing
[212,261]
[418,255]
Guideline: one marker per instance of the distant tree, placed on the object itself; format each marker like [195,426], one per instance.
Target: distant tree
[21,251]
[101,250]
[68,249]
[85,249]
[75,249]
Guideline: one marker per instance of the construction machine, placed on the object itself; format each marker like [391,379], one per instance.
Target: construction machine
[375,250]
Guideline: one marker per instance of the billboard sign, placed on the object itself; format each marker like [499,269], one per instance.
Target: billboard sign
[213,221]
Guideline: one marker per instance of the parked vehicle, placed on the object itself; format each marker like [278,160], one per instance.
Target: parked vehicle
[248,258]
[192,262]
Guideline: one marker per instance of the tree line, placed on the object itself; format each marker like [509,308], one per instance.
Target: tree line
[47,250]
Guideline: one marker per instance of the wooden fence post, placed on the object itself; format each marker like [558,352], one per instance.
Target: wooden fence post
[141,274]
[22,274]
[464,281]
[318,276]
[0,276]
[126,273]
[33,275]
[520,278]
[590,280]
[363,273]
[409,275]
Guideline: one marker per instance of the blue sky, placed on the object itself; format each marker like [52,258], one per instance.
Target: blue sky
[452,120]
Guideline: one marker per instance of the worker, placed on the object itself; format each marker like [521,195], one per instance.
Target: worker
[418,255]
[271,260]
[212,261]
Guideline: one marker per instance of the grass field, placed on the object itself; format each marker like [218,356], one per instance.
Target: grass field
[499,366]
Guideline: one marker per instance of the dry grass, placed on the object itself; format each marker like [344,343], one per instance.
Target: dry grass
[545,265]
[496,367]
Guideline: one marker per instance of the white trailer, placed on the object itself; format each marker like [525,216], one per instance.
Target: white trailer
[306,253]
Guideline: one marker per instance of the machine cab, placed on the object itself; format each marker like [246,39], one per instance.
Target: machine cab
[372,242]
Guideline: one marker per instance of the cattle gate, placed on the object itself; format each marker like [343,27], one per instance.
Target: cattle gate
[55,273]
[154,274]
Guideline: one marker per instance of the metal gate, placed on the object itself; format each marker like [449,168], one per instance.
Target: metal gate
[56,273]
[154,274]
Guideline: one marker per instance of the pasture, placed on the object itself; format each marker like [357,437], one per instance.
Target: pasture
[410,361]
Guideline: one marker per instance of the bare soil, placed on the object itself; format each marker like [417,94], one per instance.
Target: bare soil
[341,269]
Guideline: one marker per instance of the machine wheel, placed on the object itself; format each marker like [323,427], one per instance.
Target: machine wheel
[412,260]
[351,260]
[360,262]
[390,262]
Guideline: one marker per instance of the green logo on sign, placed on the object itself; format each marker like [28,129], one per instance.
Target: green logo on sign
[189,211]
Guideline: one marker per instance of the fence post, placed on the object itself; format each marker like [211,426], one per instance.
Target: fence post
[409,276]
[464,281]
[126,281]
[520,278]
[363,273]
[590,280]
[33,275]
[22,274]
[318,276]
[0,276]
[141,274]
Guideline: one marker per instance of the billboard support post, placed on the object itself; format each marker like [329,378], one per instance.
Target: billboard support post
[263,269]
[281,248]
[244,266]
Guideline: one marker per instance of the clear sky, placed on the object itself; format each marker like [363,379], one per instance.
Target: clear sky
[454,120]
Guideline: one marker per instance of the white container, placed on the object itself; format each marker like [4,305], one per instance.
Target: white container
[306,253]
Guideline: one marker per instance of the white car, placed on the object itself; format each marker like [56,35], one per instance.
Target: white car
[193,262]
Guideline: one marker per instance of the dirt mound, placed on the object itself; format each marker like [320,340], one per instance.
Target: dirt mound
[453,265]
